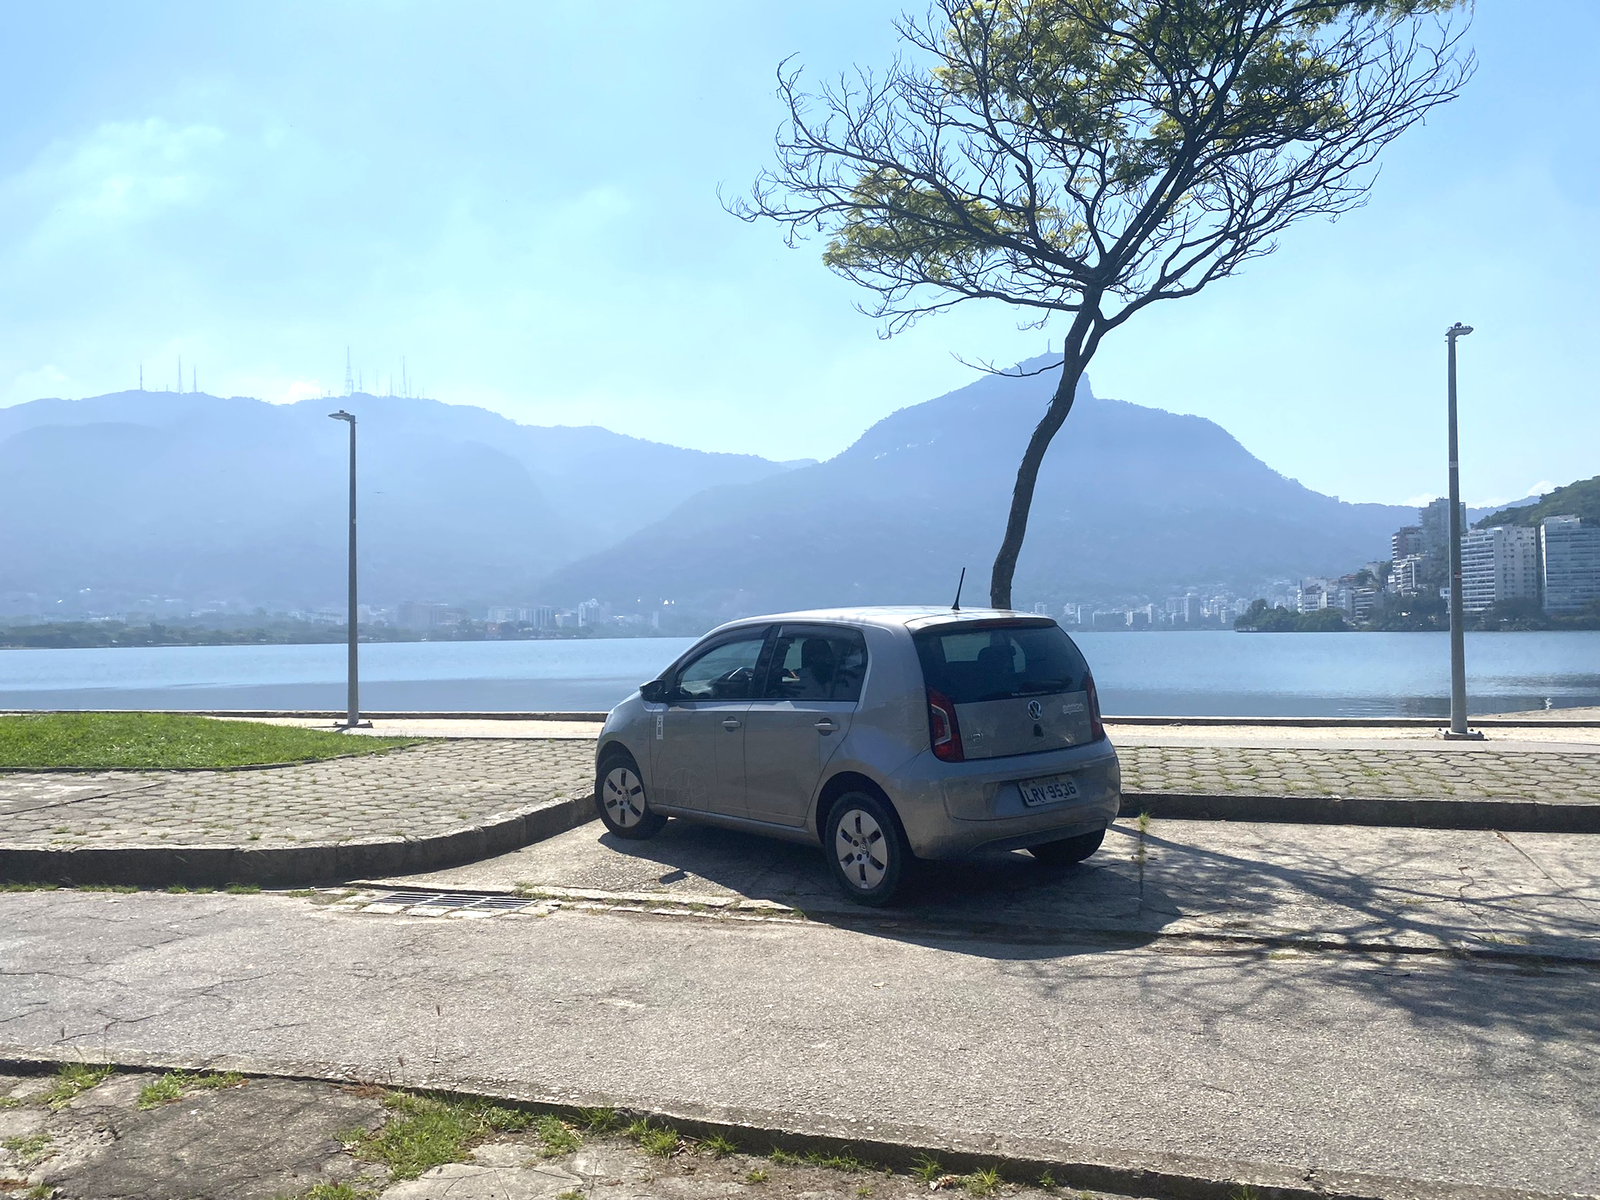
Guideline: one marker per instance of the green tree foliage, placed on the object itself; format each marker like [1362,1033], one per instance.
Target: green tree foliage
[1580,499]
[1261,618]
[1083,159]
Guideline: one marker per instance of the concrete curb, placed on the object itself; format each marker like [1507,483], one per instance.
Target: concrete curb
[1155,1175]
[1511,816]
[293,866]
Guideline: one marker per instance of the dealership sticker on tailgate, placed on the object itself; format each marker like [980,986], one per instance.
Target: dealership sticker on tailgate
[1051,790]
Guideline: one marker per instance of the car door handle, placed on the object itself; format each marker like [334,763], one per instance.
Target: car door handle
[826,725]
[730,723]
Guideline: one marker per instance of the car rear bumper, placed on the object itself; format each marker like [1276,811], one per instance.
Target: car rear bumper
[954,809]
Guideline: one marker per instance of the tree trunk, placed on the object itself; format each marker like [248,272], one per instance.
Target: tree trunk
[1078,350]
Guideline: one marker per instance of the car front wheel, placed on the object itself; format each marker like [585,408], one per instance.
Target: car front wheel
[620,798]
[1068,850]
[865,848]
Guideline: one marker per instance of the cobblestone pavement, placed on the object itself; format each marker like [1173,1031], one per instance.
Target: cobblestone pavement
[431,789]
[415,792]
[1552,776]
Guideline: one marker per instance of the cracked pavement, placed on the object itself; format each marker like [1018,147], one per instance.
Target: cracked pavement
[992,1010]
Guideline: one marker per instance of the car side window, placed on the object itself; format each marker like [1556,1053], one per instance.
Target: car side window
[724,672]
[816,664]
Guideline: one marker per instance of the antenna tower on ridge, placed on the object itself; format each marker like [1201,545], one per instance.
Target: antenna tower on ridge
[349,379]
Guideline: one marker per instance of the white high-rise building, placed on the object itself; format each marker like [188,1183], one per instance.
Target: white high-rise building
[1499,563]
[1571,554]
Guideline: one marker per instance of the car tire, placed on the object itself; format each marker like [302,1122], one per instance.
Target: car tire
[619,798]
[865,847]
[1068,850]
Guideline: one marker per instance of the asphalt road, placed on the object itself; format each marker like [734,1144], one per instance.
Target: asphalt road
[1423,1066]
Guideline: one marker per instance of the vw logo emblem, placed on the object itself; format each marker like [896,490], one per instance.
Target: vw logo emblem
[1035,709]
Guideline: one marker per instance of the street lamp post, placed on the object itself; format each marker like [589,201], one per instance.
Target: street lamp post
[353,702]
[1458,643]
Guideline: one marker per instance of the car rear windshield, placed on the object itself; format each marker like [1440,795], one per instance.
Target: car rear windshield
[999,662]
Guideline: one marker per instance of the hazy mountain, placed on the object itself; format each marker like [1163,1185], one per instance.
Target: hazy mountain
[193,496]
[1131,500]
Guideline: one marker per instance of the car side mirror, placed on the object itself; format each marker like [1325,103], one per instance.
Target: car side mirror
[654,692]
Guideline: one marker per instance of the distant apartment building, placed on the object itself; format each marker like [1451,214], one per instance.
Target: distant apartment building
[1314,594]
[1497,564]
[424,618]
[1407,575]
[1406,543]
[1434,521]
[1570,551]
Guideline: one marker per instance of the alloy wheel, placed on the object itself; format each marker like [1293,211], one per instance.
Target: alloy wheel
[623,795]
[862,849]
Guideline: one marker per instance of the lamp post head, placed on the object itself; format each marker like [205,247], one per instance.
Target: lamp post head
[341,415]
[1457,330]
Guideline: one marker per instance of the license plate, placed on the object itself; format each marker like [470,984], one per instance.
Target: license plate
[1052,790]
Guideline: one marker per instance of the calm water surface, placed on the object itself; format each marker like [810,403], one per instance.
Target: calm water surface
[1211,673]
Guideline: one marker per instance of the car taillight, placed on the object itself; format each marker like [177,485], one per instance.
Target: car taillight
[1097,729]
[943,728]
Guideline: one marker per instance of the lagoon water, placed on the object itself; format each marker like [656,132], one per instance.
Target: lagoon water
[1211,673]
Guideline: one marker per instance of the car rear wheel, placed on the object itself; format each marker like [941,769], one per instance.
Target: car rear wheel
[1068,850]
[865,848]
[620,799]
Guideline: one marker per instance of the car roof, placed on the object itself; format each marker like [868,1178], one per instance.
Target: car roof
[911,617]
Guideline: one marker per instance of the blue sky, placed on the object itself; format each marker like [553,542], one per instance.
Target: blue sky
[520,201]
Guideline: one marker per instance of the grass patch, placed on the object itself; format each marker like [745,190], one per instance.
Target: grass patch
[556,1136]
[599,1120]
[717,1146]
[338,1191]
[174,1084]
[71,1079]
[30,1149]
[926,1168]
[658,1141]
[157,741]
[242,889]
[9,886]
[756,1175]
[983,1183]
[428,1131]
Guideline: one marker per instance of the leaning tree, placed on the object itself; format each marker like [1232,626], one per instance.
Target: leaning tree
[1090,157]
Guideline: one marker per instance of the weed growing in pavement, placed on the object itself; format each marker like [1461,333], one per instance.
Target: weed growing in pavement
[839,1161]
[658,1141]
[177,889]
[72,1078]
[301,893]
[864,1190]
[756,1175]
[121,889]
[338,1191]
[9,886]
[570,1194]
[717,1146]
[925,1168]
[174,1084]
[558,1137]
[1048,1182]
[785,1158]
[983,1183]
[598,1120]
[1244,1192]
[430,1130]
[242,889]
[40,1191]
[30,1149]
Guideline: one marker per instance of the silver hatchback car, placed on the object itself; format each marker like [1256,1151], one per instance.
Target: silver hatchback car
[876,733]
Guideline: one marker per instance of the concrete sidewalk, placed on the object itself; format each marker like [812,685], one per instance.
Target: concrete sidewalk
[1518,897]
[1428,1074]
